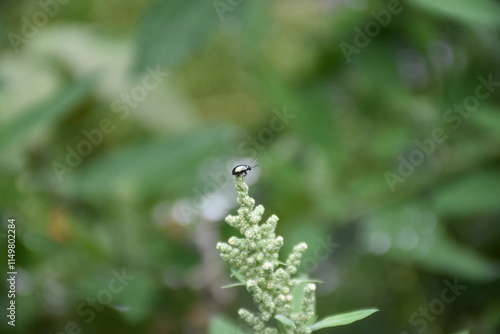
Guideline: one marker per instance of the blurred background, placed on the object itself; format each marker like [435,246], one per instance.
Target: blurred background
[376,125]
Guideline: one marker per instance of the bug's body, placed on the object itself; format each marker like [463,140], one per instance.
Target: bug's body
[242,169]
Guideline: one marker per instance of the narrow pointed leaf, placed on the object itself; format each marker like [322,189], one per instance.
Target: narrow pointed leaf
[484,12]
[284,320]
[147,167]
[343,319]
[309,281]
[232,285]
[238,276]
[45,113]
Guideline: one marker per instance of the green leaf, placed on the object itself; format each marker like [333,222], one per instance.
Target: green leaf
[485,12]
[222,325]
[343,319]
[315,126]
[448,256]
[462,332]
[488,120]
[298,295]
[45,113]
[471,195]
[171,31]
[309,281]
[238,276]
[137,297]
[148,167]
[233,285]
[412,233]
[285,321]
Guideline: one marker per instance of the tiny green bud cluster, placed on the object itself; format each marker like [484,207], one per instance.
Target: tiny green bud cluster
[255,258]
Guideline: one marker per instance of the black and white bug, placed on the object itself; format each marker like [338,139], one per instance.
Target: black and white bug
[242,169]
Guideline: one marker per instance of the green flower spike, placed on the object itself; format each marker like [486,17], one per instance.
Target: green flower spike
[254,261]
[255,258]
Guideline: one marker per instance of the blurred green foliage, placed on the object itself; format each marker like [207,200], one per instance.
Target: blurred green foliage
[147,158]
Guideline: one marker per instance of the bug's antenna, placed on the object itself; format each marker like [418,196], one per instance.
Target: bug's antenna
[255,162]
